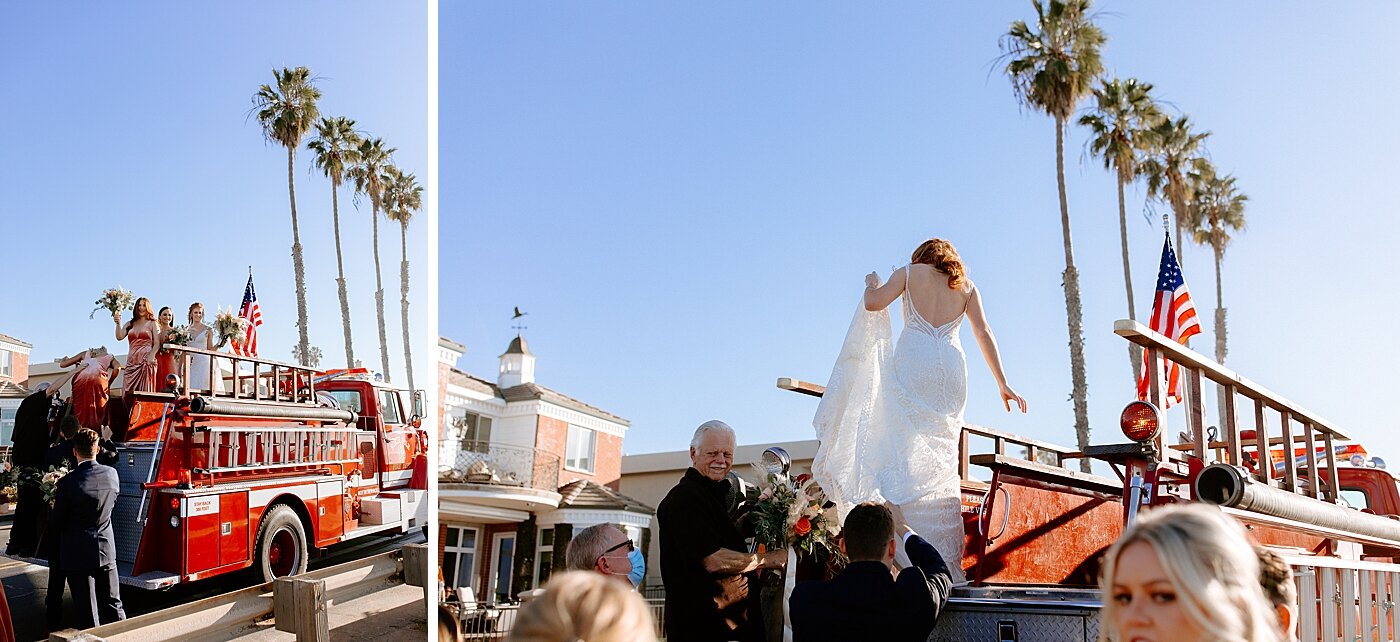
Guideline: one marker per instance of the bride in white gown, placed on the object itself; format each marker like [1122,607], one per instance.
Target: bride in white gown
[889,422]
[202,337]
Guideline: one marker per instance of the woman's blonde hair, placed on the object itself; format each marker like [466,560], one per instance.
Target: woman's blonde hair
[944,258]
[583,605]
[1209,561]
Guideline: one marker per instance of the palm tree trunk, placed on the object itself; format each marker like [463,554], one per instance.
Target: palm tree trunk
[340,278]
[1220,346]
[1134,351]
[303,343]
[403,299]
[1074,309]
[379,295]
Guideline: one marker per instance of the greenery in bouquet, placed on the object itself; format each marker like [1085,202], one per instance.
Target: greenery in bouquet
[229,327]
[113,300]
[178,335]
[792,514]
[49,482]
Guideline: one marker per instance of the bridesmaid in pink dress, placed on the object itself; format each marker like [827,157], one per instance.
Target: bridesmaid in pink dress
[165,360]
[141,334]
[90,386]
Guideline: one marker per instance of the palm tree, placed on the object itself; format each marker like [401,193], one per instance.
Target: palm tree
[1219,211]
[1122,111]
[402,197]
[1172,148]
[336,146]
[1051,68]
[368,174]
[287,111]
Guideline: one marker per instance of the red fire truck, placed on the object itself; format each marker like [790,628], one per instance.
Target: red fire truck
[1037,530]
[262,471]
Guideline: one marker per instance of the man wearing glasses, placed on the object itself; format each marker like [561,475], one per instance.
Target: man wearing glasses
[604,548]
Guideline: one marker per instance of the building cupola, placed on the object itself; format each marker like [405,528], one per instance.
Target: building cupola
[517,365]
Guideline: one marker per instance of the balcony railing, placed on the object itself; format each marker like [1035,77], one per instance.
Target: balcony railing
[480,462]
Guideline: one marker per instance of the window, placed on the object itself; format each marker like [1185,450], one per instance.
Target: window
[501,572]
[544,556]
[578,450]
[1356,498]
[7,363]
[389,407]
[459,557]
[7,426]
[348,400]
[475,430]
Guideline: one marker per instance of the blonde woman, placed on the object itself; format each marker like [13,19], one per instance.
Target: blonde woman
[582,605]
[1185,574]
[202,337]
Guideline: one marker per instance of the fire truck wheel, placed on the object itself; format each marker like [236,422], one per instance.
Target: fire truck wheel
[281,544]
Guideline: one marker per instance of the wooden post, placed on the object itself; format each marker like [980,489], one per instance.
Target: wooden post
[1332,487]
[299,606]
[1261,443]
[1196,412]
[415,566]
[1231,428]
[1311,458]
[962,454]
[1290,467]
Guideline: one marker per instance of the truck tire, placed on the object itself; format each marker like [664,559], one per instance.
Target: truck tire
[281,544]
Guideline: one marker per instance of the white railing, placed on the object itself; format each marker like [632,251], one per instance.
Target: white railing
[1344,600]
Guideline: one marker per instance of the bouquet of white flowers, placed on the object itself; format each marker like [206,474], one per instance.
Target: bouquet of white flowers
[113,300]
[49,482]
[228,326]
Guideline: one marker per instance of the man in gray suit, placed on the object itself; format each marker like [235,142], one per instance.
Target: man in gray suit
[82,521]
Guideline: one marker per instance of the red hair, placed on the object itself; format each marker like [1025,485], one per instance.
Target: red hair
[943,257]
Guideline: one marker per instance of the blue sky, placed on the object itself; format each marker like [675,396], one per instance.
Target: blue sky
[685,197]
[131,160]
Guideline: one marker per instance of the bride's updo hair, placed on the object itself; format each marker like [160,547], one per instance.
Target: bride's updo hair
[943,257]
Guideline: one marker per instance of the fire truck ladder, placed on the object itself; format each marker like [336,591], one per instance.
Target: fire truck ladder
[244,449]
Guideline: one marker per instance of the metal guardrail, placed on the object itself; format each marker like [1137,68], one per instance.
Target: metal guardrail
[480,462]
[223,617]
[485,622]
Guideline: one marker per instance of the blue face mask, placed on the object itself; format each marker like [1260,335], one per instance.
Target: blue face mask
[639,567]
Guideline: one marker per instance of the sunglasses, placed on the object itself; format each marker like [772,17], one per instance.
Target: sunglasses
[626,543]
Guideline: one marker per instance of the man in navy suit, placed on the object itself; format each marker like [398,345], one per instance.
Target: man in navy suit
[867,601]
[82,521]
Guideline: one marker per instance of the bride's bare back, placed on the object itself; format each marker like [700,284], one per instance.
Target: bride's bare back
[932,298]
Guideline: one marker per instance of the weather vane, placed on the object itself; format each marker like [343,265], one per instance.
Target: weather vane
[519,325]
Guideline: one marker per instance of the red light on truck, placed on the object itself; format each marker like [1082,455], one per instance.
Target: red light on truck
[174,503]
[1140,421]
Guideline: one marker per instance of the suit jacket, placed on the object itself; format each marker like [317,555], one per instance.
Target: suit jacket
[865,602]
[82,517]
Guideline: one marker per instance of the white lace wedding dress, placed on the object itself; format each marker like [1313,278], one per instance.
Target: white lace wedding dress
[199,365]
[889,423]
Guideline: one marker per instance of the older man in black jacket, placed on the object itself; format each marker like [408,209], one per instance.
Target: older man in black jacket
[866,601]
[82,521]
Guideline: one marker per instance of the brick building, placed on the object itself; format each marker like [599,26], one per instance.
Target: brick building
[521,468]
[14,377]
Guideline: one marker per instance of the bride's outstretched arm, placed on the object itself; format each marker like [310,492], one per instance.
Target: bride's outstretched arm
[988,343]
[879,297]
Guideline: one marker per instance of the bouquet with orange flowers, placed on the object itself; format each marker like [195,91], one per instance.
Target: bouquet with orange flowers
[792,513]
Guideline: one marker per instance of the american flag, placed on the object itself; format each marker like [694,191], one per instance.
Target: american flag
[250,311]
[1174,316]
